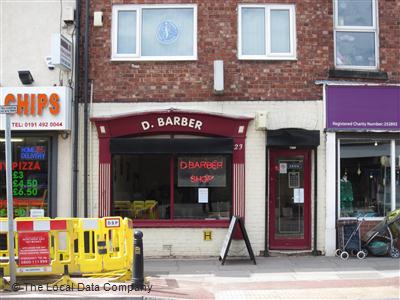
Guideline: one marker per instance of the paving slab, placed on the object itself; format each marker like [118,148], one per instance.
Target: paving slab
[272,278]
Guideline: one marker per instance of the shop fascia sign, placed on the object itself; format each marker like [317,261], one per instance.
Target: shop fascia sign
[359,108]
[171,121]
[38,108]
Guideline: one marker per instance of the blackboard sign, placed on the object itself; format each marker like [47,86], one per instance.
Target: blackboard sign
[202,171]
[228,239]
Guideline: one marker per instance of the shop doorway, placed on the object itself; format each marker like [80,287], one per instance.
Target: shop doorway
[289,199]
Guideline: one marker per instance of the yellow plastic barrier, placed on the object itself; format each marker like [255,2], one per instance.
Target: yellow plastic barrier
[54,250]
[80,245]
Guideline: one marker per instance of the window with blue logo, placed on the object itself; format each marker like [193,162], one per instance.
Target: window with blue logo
[154,32]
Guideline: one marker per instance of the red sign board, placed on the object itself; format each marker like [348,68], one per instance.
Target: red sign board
[33,249]
[200,171]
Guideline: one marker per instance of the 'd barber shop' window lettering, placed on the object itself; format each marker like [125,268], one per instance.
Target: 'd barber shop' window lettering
[172,187]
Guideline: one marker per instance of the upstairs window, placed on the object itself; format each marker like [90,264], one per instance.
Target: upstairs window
[356,35]
[267,32]
[154,32]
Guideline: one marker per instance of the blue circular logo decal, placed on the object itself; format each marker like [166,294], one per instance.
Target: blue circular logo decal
[167,32]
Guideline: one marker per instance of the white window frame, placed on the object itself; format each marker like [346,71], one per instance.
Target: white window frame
[292,54]
[393,174]
[137,56]
[367,29]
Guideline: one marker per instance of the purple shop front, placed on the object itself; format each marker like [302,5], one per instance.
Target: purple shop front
[363,108]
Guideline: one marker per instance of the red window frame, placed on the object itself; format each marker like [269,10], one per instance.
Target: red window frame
[172,222]
[217,125]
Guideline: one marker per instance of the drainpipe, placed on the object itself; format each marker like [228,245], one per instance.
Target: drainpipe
[76,112]
[266,252]
[315,251]
[85,117]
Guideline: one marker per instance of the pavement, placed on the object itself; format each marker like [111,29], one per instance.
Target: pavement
[289,277]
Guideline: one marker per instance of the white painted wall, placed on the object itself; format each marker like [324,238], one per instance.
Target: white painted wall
[330,175]
[189,241]
[25,39]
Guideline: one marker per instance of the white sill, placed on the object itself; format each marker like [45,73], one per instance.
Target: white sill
[357,68]
[267,58]
[361,218]
[152,58]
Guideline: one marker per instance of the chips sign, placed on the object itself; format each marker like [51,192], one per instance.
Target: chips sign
[198,171]
[33,249]
[36,108]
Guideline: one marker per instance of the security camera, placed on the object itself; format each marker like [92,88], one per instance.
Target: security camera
[47,59]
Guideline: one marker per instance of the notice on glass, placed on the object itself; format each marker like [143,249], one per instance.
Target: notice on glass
[203,195]
[298,195]
[283,168]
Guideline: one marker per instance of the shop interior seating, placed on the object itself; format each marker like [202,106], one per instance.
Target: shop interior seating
[123,208]
[150,207]
[138,209]
[144,209]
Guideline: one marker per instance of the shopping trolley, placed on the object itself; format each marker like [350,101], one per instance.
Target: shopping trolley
[349,240]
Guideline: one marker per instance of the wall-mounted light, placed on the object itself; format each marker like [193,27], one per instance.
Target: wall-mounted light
[25,77]
[376,143]
[98,19]
[218,76]
[14,140]
[64,135]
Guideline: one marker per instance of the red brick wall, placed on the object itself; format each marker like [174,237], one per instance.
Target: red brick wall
[244,80]
[389,38]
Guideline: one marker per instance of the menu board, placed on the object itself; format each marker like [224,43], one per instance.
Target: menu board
[29,176]
[202,171]
[25,172]
[228,238]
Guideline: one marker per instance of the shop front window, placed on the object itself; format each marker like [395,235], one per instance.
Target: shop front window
[397,174]
[365,185]
[172,187]
[202,189]
[30,173]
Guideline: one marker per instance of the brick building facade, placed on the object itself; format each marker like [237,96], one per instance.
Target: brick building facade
[270,115]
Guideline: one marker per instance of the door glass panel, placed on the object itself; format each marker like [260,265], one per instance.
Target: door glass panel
[289,203]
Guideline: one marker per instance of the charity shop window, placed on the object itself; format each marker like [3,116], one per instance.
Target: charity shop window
[30,175]
[267,32]
[356,34]
[154,32]
[369,177]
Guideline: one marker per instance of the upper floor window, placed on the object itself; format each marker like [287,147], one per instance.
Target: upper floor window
[267,32]
[356,34]
[154,32]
